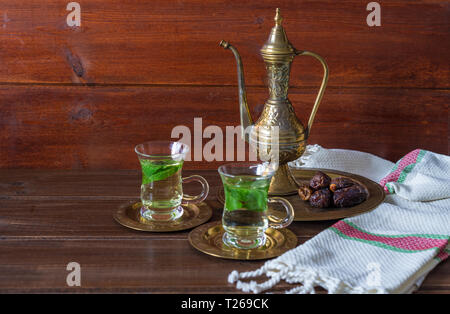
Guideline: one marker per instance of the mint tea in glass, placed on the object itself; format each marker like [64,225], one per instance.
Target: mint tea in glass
[245,218]
[162,185]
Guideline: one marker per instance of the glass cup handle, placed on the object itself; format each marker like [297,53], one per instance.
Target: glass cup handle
[188,199]
[281,223]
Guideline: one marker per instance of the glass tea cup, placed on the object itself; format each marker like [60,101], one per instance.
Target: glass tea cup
[245,217]
[162,184]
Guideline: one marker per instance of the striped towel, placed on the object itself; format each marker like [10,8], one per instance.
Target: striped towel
[388,250]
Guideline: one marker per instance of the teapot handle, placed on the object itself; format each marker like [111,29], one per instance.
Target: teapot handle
[322,86]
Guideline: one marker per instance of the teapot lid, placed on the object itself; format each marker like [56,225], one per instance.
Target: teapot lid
[277,44]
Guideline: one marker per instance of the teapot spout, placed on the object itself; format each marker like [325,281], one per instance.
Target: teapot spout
[246,118]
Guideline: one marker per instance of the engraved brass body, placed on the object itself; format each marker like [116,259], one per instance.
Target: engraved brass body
[278,54]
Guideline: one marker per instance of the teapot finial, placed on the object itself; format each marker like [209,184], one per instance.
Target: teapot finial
[278,18]
[277,45]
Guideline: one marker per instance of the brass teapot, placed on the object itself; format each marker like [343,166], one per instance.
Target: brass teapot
[278,54]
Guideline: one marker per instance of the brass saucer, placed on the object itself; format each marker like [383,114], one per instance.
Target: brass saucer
[208,239]
[193,215]
[305,212]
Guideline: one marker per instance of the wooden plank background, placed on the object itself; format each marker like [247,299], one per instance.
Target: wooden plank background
[82,97]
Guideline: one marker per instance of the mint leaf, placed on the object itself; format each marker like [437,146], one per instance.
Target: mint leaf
[158,170]
[246,195]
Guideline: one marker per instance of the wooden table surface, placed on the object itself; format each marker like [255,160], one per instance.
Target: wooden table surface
[49,218]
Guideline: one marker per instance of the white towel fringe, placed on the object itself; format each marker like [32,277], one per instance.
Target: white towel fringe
[308,278]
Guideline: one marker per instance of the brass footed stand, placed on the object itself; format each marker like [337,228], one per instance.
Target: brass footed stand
[283,183]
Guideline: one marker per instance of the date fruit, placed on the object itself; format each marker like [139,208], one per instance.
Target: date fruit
[320,181]
[324,192]
[321,198]
[349,196]
[340,182]
[305,192]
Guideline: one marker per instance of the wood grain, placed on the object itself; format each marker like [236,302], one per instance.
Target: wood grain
[135,265]
[30,203]
[40,218]
[74,127]
[176,42]
[45,224]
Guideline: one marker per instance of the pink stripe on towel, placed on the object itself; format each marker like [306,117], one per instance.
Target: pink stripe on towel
[407,160]
[404,242]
